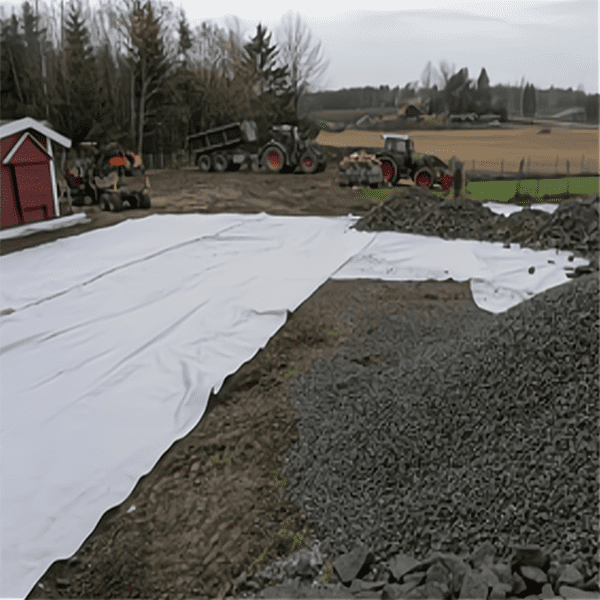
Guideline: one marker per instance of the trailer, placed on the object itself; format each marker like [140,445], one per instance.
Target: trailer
[235,145]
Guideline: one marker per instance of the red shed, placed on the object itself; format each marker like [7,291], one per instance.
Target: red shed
[28,190]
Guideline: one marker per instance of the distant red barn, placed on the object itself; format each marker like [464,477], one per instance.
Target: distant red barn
[28,190]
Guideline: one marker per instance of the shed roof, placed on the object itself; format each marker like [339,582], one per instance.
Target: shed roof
[11,127]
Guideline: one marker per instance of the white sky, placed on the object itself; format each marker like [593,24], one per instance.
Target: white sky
[548,43]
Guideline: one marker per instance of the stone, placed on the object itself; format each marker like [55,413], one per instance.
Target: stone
[347,566]
[503,573]
[571,576]
[439,574]
[518,585]
[547,592]
[436,590]
[500,591]
[368,594]
[473,587]
[401,564]
[568,592]
[483,554]
[534,574]
[393,591]
[489,576]
[530,556]
[416,593]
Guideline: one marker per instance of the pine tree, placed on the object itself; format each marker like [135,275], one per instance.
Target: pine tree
[77,83]
[148,61]
[269,81]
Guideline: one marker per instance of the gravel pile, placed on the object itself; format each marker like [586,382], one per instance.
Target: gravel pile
[437,434]
[572,227]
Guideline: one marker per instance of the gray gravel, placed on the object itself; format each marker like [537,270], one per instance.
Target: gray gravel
[439,432]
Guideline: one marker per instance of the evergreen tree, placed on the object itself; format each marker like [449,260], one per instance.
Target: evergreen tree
[270,82]
[77,83]
[149,63]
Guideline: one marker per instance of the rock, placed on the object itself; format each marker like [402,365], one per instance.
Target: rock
[571,576]
[489,576]
[534,574]
[547,592]
[500,591]
[519,585]
[414,579]
[473,587]
[418,592]
[347,566]
[436,590]
[401,564]
[484,554]
[503,573]
[367,594]
[568,592]
[439,574]
[530,556]
[393,591]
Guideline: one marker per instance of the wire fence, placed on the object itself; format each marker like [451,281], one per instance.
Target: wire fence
[536,165]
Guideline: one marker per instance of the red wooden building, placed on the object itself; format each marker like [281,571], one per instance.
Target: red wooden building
[28,190]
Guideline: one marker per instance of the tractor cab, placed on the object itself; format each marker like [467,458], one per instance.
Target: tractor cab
[398,143]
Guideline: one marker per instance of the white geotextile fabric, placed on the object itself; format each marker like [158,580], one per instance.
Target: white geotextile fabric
[509,209]
[49,225]
[117,337]
[499,277]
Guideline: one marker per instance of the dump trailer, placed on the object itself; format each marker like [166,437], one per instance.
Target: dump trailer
[236,145]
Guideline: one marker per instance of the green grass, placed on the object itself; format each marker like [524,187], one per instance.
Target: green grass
[497,191]
[501,191]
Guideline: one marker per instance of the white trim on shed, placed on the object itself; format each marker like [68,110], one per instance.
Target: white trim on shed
[28,123]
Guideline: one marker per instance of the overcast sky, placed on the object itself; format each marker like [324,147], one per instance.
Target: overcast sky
[548,43]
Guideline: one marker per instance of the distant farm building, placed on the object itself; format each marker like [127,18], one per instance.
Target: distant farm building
[571,114]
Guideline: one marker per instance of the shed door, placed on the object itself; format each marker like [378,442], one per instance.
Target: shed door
[35,191]
[31,166]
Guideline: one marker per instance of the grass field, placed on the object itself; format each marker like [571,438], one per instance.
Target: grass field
[486,149]
[502,191]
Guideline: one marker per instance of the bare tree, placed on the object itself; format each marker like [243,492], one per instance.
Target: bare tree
[446,72]
[303,57]
[427,76]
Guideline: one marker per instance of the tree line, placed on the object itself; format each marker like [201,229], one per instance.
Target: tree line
[136,73]
[444,90]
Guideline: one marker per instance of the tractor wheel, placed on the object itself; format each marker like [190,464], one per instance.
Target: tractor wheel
[389,170]
[144,201]
[308,163]
[273,159]
[424,178]
[221,163]
[204,163]
[115,202]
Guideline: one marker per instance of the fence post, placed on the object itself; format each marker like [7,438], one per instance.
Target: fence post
[582,162]
[473,169]
[568,167]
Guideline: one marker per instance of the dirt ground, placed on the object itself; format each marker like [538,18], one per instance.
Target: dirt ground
[210,510]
